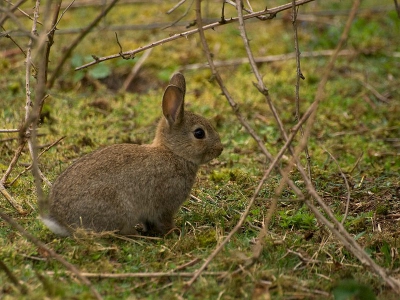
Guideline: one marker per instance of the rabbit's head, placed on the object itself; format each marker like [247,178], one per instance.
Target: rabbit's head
[186,134]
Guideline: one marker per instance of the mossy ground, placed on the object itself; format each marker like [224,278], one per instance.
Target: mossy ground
[301,259]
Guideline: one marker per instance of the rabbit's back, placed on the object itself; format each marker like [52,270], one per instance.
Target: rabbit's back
[117,187]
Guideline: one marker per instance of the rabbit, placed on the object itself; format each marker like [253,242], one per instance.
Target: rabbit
[120,186]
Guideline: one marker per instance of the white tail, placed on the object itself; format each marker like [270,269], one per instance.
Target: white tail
[55,227]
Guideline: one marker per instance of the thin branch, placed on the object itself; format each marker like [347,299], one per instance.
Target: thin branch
[14,160]
[346,183]
[77,40]
[60,18]
[24,131]
[135,70]
[248,10]
[263,89]
[51,253]
[182,16]
[336,227]
[260,85]
[269,58]
[356,163]
[378,95]
[142,275]
[311,112]
[40,154]
[25,14]
[42,51]
[12,9]
[11,200]
[249,5]
[32,115]
[14,41]
[299,75]
[176,6]
[8,130]
[22,287]
[271,12]
[397,6]
[188,264]
[50,40]
[252,133]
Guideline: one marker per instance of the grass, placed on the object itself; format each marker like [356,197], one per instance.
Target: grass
[301,259]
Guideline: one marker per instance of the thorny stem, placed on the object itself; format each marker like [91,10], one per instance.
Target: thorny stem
[12,9]
[77,40]
[254,135]
[263,89]
[311,112]
[334,225]
[32,112]
[299,75]
[271,12]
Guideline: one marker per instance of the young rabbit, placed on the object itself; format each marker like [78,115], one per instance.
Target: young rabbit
[119,186]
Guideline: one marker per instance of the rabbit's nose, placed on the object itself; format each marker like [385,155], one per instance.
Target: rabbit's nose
[219,149]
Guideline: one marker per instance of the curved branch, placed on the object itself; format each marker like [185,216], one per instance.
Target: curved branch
[271,12]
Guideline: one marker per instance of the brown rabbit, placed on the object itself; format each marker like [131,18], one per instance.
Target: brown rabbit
[119,186]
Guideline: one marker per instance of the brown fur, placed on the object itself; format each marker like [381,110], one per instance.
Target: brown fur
[119,186]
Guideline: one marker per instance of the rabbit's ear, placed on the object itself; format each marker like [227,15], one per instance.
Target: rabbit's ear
[173,104]
[178,80]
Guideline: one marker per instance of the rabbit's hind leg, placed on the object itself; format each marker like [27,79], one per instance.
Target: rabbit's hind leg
[157,227]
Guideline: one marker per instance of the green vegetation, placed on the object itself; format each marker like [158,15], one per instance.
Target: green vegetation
[301,259]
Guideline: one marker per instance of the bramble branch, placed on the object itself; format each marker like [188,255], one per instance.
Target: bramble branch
[270,12]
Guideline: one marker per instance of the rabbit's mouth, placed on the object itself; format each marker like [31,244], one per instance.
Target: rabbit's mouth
[210,156]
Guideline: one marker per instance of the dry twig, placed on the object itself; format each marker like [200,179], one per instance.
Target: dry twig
[346,183]
[22,287]
[135,70]
[257,139]
[176,6]
[142,274]
[14,160]
[11,200]
[397,6]
[51,253]
[32,112]
[378,95]
[270,12]
[336,227]
[40,154]
[266,59]
[8,130]
[11,10]
[298,77]
[182,16]
[342,234]
[285,174]
[77,40]
[62,14]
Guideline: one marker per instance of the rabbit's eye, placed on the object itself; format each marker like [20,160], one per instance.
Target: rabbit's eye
[199,133]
